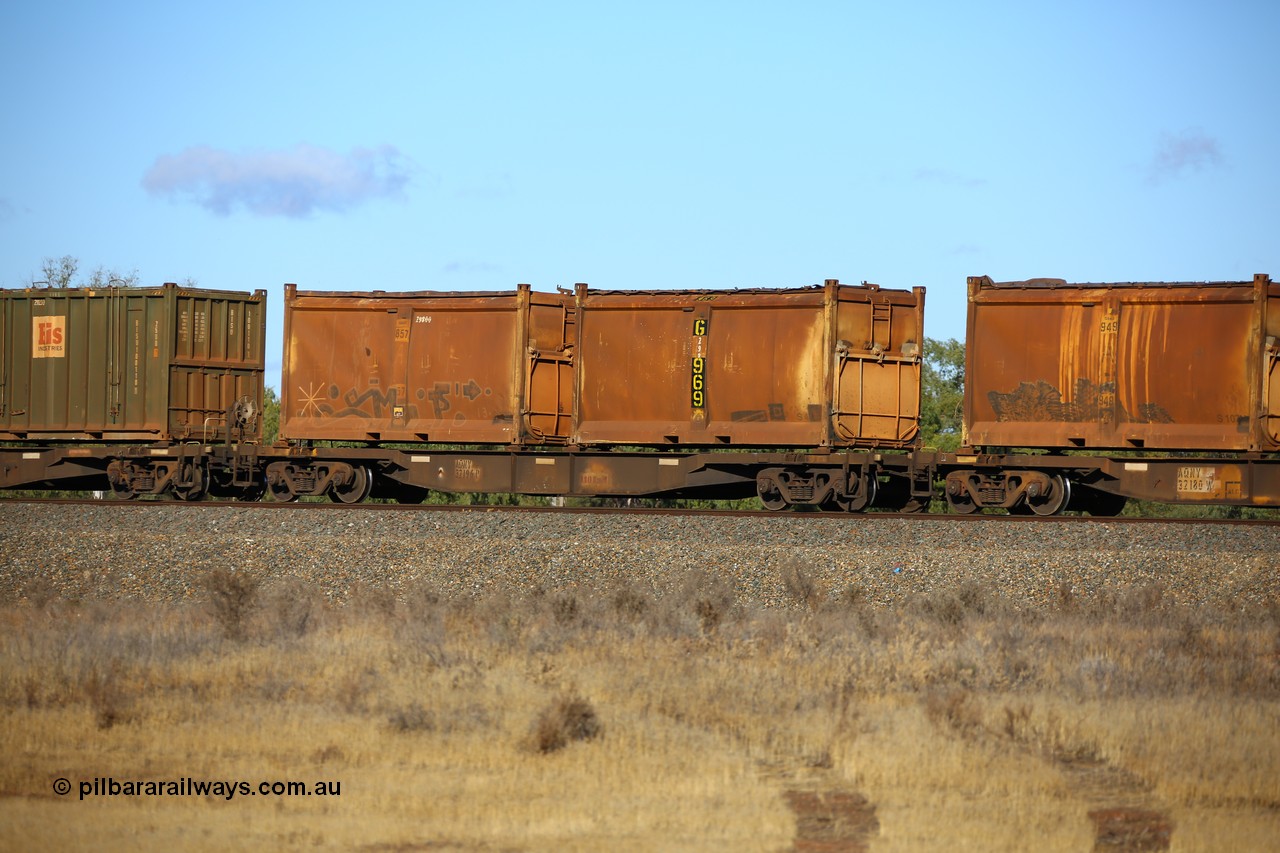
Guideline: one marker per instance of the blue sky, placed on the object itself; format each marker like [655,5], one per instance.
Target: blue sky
[471,146]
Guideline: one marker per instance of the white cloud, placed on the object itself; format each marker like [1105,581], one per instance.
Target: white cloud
[292,182]
[1191,150]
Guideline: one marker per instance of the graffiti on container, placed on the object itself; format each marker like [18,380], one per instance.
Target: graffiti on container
[441,392]
[1041,402]
[371,403]
[318,401]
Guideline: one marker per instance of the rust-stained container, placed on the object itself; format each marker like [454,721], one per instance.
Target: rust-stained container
[829,365]
[466,368]
[128,363]
[1157,366]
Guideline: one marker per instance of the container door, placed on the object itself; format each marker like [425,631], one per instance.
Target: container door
[877,373]
[5,361]
[1271,365]
[1273,392]
[549,381]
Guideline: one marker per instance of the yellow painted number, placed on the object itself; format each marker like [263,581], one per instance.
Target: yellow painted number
[699,382]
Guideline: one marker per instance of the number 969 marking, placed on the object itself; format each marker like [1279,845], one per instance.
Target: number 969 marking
[699,382]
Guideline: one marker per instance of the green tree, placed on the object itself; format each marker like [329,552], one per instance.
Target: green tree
[270,416]
[942,393]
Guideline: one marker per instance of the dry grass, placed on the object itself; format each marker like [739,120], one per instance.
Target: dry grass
[612,719]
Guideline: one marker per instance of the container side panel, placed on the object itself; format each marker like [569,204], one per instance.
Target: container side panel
[634,369]
[51,325]
[18,365]
[20,360]
[138,377]
[157,356]
[402,371]
[1029,362]
[1182,376]
[1121,367]
[461,374]
[216,360]
[737,368]
[765,374]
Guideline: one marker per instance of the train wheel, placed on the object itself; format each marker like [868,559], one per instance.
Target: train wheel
[961,504]
[280,492]
[197,483]
[354,491]
[118,480]
[1055,500]
[122,492]
[770,493]
[863,498]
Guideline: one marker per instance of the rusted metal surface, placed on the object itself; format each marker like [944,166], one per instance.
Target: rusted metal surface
[1159,366]
[484,368]
[408,472]
[815,367]
[1100,485]
[122,364]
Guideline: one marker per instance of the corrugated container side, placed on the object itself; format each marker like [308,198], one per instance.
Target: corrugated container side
[107,364]
[424,366]
[219,357]
[1151,366]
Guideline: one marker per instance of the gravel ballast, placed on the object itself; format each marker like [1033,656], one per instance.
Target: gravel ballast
[159,552]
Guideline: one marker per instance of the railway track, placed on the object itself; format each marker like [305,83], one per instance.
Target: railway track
[161,550]
[799,515]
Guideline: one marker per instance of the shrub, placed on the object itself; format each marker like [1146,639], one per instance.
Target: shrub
[233,596]
[800,584]
[566,719]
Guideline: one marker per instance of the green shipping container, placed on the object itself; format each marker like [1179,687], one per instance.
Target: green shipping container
[127,364]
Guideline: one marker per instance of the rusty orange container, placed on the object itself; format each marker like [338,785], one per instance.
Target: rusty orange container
[830,365]
[1156,366]
[127,363]
[466,368]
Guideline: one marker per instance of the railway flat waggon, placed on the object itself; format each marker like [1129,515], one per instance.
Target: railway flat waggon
[1077,396]
[517,375]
